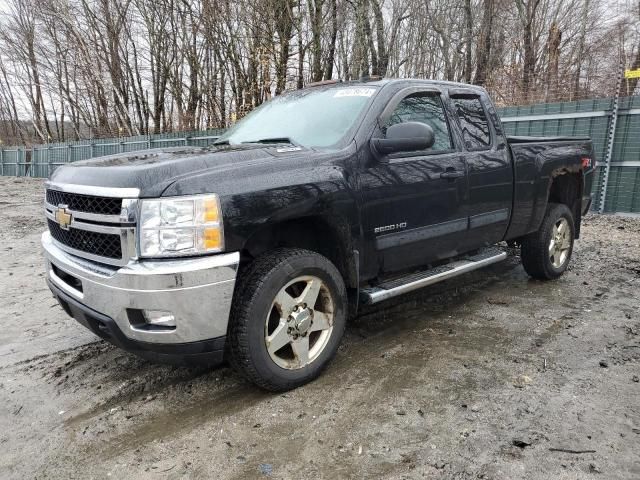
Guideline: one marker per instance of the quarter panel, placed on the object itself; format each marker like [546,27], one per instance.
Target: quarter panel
[536,165]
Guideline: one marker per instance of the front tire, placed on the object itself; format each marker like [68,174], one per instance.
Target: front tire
[547,252]
[287,319]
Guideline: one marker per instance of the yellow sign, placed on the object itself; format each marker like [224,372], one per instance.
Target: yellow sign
[632,73]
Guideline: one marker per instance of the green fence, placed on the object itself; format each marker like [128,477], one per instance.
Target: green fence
[616,189]
[42,160]
[593,118]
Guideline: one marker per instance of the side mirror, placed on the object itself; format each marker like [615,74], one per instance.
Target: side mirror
[404,137]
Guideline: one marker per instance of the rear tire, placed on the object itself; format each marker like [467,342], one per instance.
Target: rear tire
[287,318]
[547,252]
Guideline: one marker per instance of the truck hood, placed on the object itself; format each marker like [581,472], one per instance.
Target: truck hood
[153,171]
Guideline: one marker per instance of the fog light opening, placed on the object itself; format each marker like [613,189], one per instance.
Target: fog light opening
[159,318]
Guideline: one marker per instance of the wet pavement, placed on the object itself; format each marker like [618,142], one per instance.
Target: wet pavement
[491,375]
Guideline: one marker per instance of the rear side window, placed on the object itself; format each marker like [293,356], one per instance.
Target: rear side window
[474,123]
[427,109]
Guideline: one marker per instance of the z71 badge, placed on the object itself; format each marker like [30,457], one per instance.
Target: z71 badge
[390,228]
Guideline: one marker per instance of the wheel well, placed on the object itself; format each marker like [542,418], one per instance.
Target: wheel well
[566,188]
[312,233]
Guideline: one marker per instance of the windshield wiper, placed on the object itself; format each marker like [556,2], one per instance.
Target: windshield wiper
[221,142]
[273,140]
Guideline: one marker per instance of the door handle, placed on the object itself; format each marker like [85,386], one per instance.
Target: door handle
[452,174]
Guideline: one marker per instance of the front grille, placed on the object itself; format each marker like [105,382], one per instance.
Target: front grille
[101,244]
[85,203]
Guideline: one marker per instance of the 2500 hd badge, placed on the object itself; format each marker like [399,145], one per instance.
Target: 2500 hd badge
[390,228]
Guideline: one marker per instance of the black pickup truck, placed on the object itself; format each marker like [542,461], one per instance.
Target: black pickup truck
[257,248]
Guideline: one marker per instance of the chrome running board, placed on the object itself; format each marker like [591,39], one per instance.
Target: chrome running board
[418,280]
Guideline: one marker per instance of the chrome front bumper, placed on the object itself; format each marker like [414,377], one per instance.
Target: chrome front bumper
[198,292]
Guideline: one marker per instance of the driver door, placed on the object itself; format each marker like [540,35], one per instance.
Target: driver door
[413,203]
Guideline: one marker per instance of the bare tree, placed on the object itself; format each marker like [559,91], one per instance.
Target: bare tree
[72,69]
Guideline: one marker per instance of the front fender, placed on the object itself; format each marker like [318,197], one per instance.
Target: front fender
[322,192]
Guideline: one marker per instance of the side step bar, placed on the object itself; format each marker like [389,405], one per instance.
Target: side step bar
[418,280]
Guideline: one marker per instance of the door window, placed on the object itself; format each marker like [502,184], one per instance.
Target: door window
[427,109]
[473,122]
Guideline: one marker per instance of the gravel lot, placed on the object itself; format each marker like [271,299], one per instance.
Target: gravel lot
[490,376]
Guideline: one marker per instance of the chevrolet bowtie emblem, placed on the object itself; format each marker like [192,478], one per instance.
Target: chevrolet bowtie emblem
[63,217]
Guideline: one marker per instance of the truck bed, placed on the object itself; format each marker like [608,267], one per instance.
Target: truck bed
[536,161]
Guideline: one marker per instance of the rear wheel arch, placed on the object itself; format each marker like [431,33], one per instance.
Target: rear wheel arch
[566,188]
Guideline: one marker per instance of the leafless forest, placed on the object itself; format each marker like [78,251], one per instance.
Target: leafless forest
[72,69]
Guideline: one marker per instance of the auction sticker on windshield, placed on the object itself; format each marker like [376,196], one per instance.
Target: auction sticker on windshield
[355,92]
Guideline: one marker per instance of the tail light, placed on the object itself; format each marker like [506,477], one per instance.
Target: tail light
[588,163]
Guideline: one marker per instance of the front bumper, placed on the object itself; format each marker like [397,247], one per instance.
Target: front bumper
[110,300]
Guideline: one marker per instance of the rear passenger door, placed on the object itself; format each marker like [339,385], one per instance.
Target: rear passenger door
[490,173]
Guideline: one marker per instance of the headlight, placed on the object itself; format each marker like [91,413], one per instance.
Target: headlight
[177,226]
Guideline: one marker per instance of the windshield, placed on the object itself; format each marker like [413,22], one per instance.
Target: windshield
[310,117]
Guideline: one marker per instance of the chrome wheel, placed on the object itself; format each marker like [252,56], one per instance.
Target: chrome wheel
[299,323]
[560,244]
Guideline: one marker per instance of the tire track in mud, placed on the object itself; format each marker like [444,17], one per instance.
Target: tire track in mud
[381,327]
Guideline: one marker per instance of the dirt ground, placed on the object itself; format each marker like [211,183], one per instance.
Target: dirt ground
[489,376]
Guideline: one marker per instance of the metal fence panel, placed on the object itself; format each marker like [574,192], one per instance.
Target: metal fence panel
[591,118]
[12,162]
[623,192]
[42,160]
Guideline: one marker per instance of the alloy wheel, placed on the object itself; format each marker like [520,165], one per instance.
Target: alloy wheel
[299,323]
[560,243]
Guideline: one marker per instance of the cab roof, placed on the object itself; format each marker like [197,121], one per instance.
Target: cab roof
[381,82]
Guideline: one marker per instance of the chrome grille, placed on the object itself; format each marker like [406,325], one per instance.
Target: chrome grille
[85,203]
[99,227]
[101,244]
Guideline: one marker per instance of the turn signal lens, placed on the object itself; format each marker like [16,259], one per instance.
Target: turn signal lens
[212,238]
